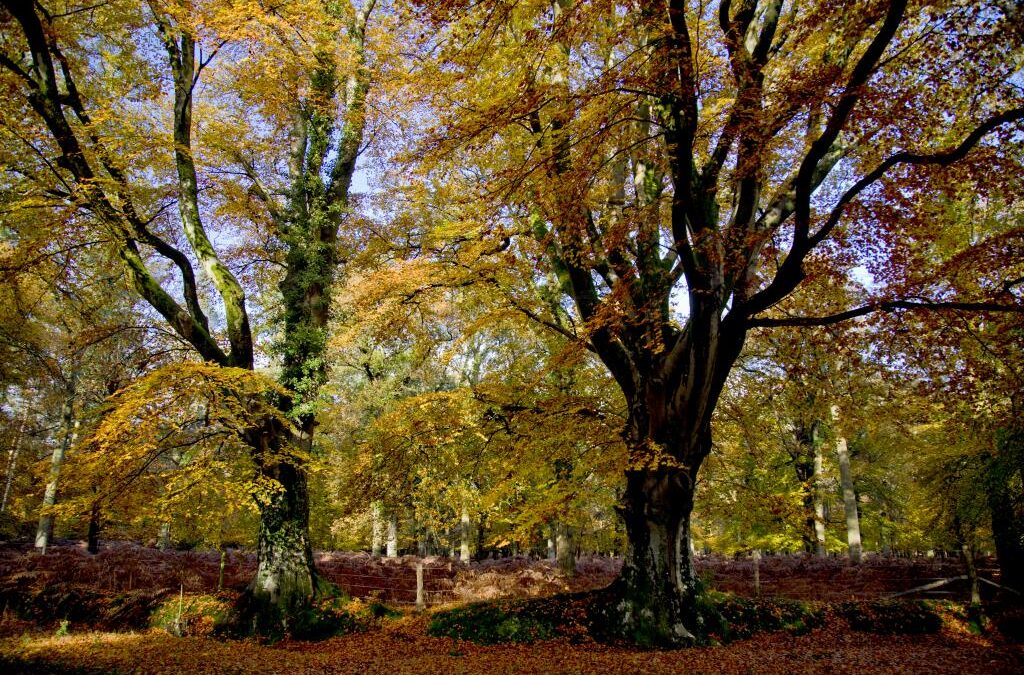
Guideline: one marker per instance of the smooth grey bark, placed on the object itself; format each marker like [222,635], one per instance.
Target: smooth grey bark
[849,495]
[392,541]
[819,503]
[376,528]
[12,461]
[44,531]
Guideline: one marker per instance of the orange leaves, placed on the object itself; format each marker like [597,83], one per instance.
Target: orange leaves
[176,435]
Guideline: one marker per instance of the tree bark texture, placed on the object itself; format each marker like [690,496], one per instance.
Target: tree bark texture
[377,528]
[392,539]
[465,532]
[1007,533]
[44,532]
[12,461]
[656,591]
[286,578]
[565,549]
[849,501]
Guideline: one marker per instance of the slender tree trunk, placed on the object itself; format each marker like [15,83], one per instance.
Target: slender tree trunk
[377,528]
[12,462]
[481,531]
[465,531]
[44,532]
[392,535]
[849,501]
[565,549]
[819,503]
[551,542]
[163,540]
[807,461]
[93,537]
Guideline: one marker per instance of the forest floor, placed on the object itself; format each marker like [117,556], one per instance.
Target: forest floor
[59,636]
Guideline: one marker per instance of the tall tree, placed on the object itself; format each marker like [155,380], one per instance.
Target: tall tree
[81,78]
[681,168]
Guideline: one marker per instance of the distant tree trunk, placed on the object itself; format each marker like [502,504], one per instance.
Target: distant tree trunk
[93,538]
[884,535]
[481,531]
[819,503]
[465,531]
[849,495]
[807,462]
[44,532]
[422,538]
[392,535]
[1004,478]
[12,462]
[565,549]
[377,528]
[551,543]
[163,541]
[1007,533]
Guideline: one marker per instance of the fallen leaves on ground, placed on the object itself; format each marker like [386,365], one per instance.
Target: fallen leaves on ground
[402,646]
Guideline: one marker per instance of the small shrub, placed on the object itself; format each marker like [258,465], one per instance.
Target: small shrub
[193,614]
[733,617]
[492,623]
[325,620]
[888,617]
[378,610]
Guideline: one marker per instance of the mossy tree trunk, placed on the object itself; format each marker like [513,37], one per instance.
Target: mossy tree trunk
[657,589]
[565,549]
[286,578]
[807,462]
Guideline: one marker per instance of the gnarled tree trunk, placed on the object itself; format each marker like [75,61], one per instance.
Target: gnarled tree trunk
[658,586]
[285,578]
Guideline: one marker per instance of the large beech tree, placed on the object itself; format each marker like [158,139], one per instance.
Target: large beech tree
[104,104]
[681,167]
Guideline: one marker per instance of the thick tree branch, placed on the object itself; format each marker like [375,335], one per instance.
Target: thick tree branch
[943,158]
[862,72]
[884,306]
